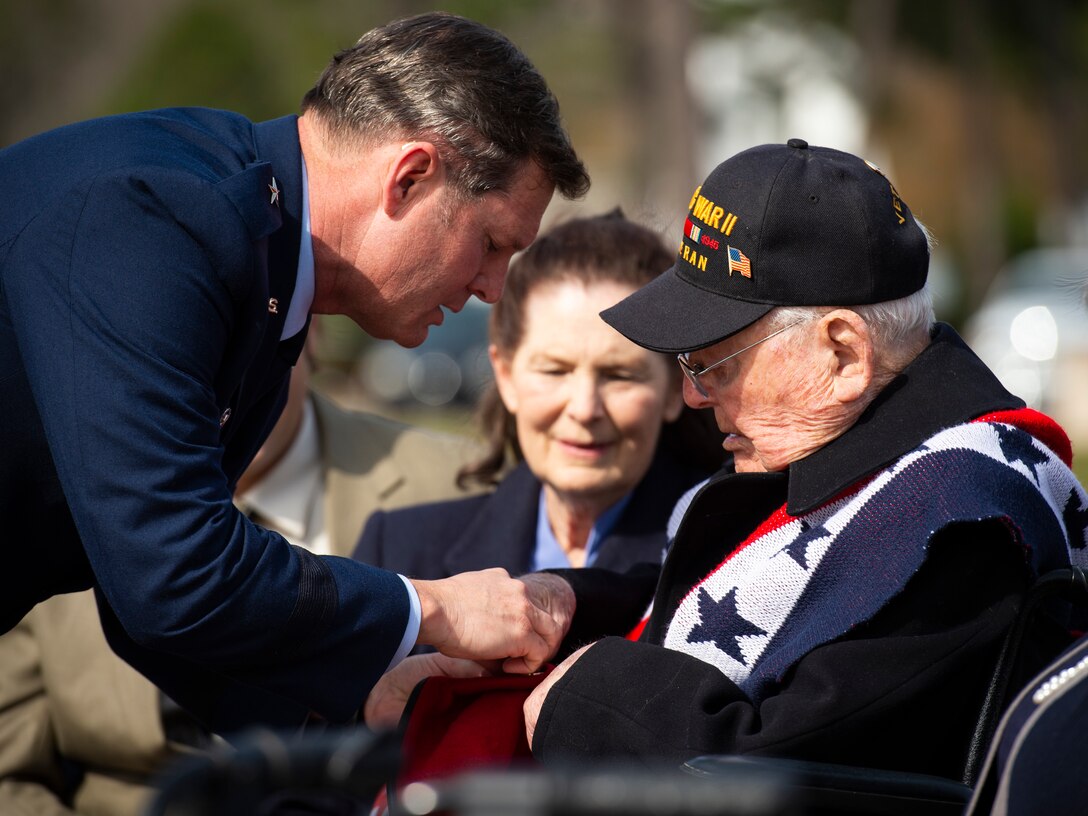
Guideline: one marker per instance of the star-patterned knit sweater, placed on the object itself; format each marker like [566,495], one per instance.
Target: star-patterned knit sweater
[849,610]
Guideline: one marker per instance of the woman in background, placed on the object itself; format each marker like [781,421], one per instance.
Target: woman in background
[595,428]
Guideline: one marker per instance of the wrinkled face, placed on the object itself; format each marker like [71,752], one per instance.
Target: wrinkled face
[445,250]
[768,400]
[588,403]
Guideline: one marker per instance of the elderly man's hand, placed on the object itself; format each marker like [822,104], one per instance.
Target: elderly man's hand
[489,615]
[385,704]
[533,704]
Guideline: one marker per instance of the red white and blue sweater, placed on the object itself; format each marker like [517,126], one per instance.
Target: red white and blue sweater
[849,610]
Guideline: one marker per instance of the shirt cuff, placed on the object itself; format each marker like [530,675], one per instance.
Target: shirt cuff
[411,631]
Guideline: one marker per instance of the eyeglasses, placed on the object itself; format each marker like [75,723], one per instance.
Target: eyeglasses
[694,371]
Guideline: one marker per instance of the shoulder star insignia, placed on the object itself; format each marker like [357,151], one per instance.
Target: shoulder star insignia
[272,188]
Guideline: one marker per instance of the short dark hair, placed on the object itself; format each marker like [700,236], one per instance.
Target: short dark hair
[455,82]
[604,248]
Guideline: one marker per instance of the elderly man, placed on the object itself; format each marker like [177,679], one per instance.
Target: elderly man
[842,595]
[158,271]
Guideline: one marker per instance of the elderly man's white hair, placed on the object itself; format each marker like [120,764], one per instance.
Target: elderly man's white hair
[900,328]
[895,324]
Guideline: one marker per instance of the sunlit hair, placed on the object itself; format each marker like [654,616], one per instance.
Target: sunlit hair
[599,249]
[454,82]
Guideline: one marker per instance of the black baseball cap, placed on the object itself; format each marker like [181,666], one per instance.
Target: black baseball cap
[778,225]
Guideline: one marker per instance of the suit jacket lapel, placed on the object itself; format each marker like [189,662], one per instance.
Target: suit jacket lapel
[277,144]
[252,376]
[503,533]
[639,535]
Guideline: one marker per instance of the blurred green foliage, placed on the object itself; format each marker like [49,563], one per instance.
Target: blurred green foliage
[209,53]
[253,57]
[979,103]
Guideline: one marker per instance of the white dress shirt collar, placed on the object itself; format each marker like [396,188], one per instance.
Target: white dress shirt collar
[303,298]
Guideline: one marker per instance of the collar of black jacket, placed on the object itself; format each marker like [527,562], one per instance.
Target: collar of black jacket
[946,385]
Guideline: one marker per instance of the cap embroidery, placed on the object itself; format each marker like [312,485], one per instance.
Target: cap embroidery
[711,214]
[695,233]
[897,203]
[693,257]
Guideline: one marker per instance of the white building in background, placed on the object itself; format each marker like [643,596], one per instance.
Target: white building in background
[1032,330]
[769,81]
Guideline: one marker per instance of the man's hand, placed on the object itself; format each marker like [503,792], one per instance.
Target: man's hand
[556,597]
[385,704]
[535,701]
[488,615]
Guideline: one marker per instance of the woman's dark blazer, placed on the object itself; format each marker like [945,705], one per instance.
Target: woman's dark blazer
[498,529]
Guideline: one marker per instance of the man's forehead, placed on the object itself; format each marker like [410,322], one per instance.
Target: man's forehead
[522,226]
[519,210]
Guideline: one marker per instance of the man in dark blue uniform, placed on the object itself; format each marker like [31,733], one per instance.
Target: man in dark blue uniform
[157,275]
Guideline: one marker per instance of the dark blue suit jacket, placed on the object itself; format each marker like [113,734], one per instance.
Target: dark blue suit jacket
[140,369]
[499,529]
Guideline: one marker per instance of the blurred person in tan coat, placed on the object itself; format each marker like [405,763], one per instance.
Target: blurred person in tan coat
[83,732]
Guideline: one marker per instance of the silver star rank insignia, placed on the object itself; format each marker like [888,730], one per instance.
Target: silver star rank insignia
[272,188]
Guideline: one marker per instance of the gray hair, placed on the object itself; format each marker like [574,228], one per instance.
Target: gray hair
[454,82]
[900,328]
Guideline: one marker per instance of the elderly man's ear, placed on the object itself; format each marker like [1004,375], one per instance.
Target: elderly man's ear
[850,353]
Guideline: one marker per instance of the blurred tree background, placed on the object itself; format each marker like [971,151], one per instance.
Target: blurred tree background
[975,108]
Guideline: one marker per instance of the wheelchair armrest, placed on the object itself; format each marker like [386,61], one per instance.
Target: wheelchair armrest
[827,788]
